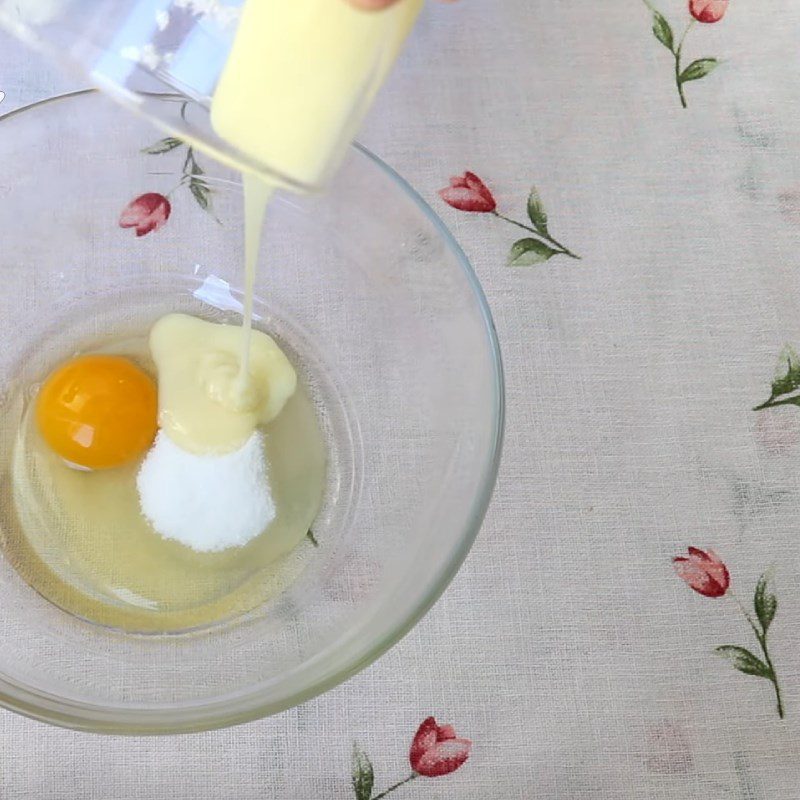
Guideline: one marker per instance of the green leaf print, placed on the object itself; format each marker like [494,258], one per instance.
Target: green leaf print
[363,774]
[527,252]
[201,193]
[163,146]
[698,69]
[536,212]
[785,387]
[191,171]
[662,30]
[745,661]
[765,601]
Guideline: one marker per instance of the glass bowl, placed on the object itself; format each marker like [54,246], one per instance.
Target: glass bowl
[383,317]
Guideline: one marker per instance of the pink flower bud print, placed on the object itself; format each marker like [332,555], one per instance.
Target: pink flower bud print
[468,192]
[674,41]
[708,10]
[709,576]
[436,750]
[703,571]
[146,213]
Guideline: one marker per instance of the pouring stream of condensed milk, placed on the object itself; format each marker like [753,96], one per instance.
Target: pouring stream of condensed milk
[297,83]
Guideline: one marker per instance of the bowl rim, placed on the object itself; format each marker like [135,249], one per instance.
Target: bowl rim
[45,707]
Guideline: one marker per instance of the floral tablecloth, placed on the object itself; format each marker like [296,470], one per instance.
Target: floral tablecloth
[627,625]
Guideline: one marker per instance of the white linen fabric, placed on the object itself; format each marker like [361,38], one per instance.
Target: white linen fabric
[567,649]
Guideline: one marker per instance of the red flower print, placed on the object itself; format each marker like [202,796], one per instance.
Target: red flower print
[708,576]
[674,41]
[704,572]
[468,192]
[708,10]
[436,750]
[146,213]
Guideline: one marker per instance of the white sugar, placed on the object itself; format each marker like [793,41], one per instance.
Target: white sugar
[208,503]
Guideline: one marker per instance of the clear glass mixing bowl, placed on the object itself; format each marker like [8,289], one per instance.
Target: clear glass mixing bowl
[378,308]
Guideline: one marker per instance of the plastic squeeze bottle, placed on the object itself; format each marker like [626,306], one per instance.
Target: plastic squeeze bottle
[300,78]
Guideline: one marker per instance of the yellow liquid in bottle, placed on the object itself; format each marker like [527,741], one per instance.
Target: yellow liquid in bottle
[300,78]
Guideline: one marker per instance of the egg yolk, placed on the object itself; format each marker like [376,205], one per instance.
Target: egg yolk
[98,411]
